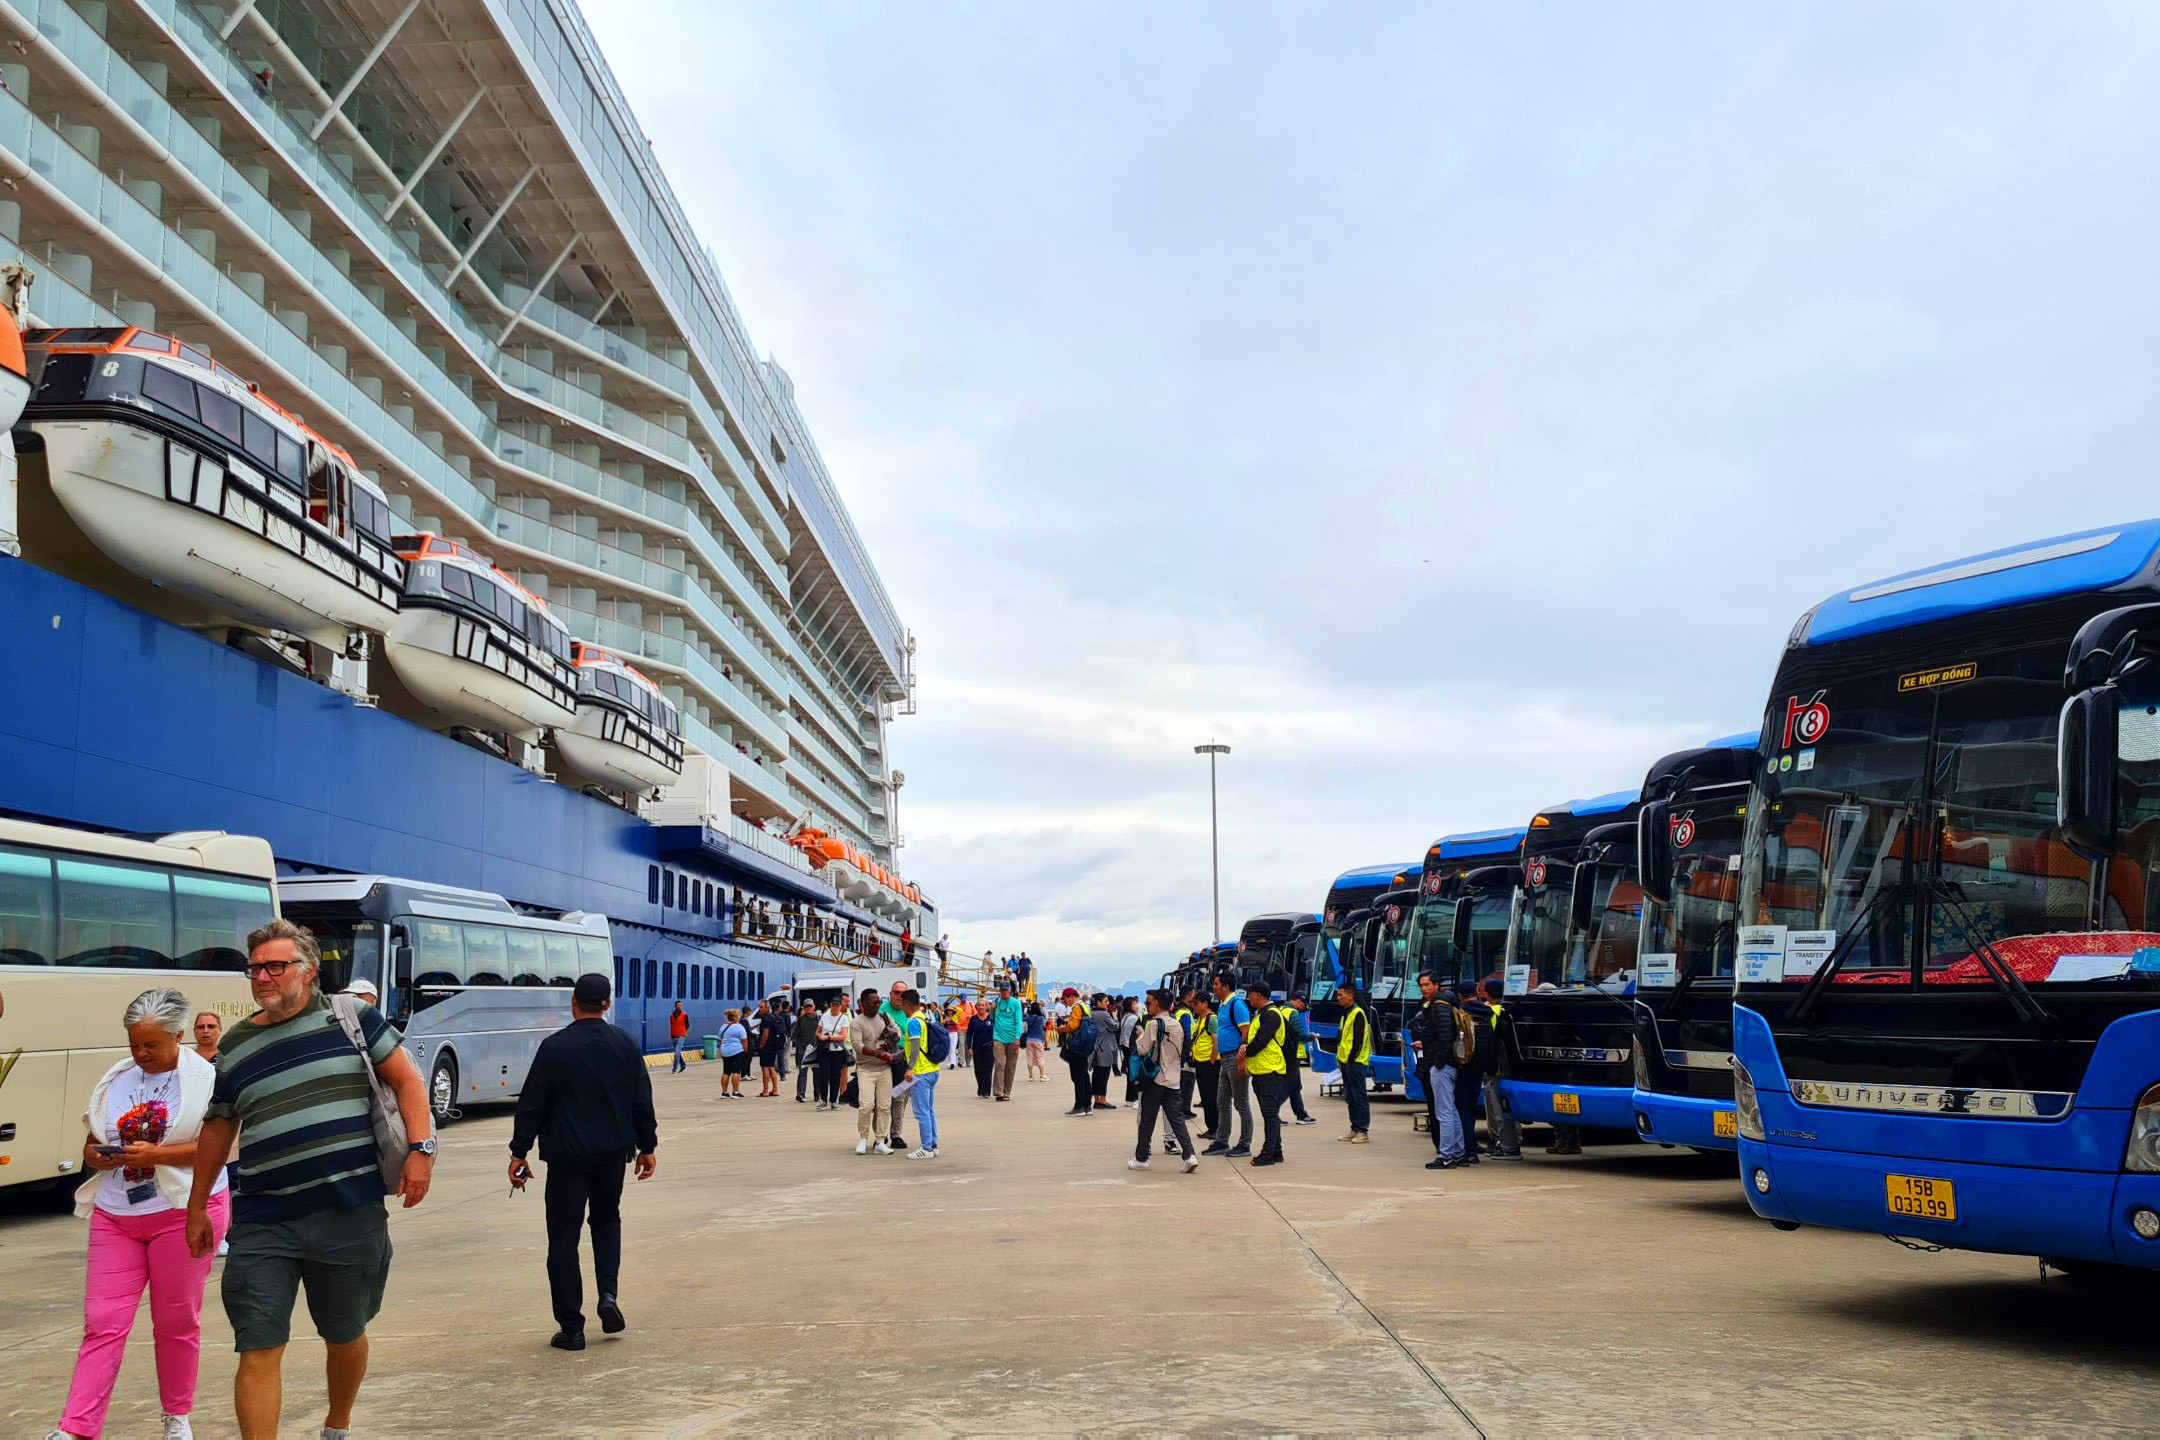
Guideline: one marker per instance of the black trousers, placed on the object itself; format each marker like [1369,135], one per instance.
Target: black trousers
[1102,1084]
[1083,1082]
[1271,1091]
[1210,1072]
[1161,1098]
[581,1189]
[1295,1089]
[1469,1085]
[1186,1082]
[1353,1094]
[985,1059]
[830,1064]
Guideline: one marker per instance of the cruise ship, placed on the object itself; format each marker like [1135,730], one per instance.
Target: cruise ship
[396,481]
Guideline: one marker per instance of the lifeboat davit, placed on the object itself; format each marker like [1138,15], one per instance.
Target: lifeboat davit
[627,735]
[476,647]
[190,477]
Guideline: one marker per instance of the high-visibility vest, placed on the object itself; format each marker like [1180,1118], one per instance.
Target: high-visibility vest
[1269,1058]
[1353,1046]
[1203,1040]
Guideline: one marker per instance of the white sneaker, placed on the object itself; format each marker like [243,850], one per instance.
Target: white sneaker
[881,1148]
[922,1154]
[1136,1165]
[862,1147]
[1192,1163]
[178,1428]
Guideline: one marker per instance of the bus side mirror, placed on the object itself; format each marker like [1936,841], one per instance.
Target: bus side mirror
[1465,907]
[401,964]
[1653,850]
[1581,897]
[2085,757]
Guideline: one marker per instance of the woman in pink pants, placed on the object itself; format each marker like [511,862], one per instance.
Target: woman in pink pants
[143,1118]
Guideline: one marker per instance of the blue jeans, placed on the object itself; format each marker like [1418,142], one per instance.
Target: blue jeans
[1448,1136]
[923,1100]
[680,1064]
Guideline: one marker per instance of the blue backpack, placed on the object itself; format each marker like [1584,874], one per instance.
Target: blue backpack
[1082,1039]
[937,1041]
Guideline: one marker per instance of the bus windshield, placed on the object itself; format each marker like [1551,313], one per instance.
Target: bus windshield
[351,950]
[1918,836]
[1540,923]
[1604,953]
[1432,937]
[1700,921]
[1390,967]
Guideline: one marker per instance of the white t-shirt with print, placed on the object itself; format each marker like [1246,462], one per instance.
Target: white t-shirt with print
[131,1090]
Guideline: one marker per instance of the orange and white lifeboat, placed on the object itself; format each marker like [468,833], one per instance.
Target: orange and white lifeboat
[14,371]
[476,647]
[627,735]
[190,477]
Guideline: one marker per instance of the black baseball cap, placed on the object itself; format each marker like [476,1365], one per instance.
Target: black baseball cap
[592,991]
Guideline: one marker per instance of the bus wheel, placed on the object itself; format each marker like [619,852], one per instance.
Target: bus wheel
[442,1090]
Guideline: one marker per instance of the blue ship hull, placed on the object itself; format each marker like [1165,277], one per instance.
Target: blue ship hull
[119,721]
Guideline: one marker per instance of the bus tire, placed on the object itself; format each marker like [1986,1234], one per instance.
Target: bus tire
[442,1089]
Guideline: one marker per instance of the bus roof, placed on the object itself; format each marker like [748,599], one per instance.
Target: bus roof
[1471,844]
[1745,740]
[2064,565]
[1369,875]
[1604,804]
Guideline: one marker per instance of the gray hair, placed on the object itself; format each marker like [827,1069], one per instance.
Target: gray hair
[164,1004]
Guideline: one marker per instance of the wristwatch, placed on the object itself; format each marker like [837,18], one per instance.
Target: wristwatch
[425,1147]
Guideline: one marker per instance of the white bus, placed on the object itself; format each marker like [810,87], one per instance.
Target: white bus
[474,984]
[87,923]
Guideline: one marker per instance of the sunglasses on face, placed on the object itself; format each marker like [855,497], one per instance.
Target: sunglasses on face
[275,969]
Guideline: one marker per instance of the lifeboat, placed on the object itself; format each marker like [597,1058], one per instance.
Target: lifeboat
[190,477]
[477,648]
[627,734]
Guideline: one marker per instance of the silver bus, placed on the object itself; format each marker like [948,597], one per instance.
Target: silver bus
[474,984]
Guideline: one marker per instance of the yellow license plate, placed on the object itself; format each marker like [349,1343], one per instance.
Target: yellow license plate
[1725,1124]
[1921,1197]
[1567,1104]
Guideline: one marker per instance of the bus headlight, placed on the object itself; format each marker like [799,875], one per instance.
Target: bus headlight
[1748,1113]
[2143,1154]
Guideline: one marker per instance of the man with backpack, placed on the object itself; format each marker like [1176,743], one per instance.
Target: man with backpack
[929,1045]
[1266,1061]
[1233,1022]
[1076,1042]
[1156,1065]
[1353,1058]
[1501,1130]
[1446,1041]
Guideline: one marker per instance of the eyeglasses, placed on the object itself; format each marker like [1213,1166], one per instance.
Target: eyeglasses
[272,968]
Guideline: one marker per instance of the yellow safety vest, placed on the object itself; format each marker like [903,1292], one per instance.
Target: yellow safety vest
[1203,1040]
[1268,1059]
[1356,1051]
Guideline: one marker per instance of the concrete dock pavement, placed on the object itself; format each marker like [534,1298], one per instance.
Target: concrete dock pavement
[1026,1282]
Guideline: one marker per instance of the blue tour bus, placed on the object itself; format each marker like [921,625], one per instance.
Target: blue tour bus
[1947,1018]
[1342,946]
[1688,864]
[1567,1017]
[1459,925]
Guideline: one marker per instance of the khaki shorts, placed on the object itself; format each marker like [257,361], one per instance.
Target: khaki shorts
[342,1257]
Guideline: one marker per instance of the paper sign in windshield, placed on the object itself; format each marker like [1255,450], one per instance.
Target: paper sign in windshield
[1517,982]
[1940,675]
[1660,972]
[1762,954]
[1805,951]
[2090,967]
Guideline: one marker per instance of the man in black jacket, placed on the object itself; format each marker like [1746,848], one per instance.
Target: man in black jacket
[804,1040]
[588,1100]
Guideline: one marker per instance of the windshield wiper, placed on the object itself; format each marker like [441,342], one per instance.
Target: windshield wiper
[2022,1000]
[1698,962]
[1854,929]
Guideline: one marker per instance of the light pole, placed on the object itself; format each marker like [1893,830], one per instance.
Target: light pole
[1214,835]
[899,778]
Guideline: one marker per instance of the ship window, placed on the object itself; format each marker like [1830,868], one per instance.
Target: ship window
[682,978]
[212,916]
[487,955]
[96,335]
[26,909]
[195,357]
[173,391]
[261,439]
[483,592]
[510,609]
[528,957]
[667,977]
[221,413]
[456,583]
[155,344]
[652,884]
[620,976]
[667,889]
[291,459]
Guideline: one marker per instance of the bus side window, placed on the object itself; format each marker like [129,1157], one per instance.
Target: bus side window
[27,915]
[114,914]
[438,959]
[562,961]
[528,958]
[487,955]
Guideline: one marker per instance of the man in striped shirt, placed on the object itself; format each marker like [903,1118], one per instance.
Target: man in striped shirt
[308,1205]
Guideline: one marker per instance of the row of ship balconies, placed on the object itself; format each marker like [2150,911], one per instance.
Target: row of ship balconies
[396,343]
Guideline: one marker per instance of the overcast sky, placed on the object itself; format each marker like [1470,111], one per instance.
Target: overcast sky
[1450,407]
